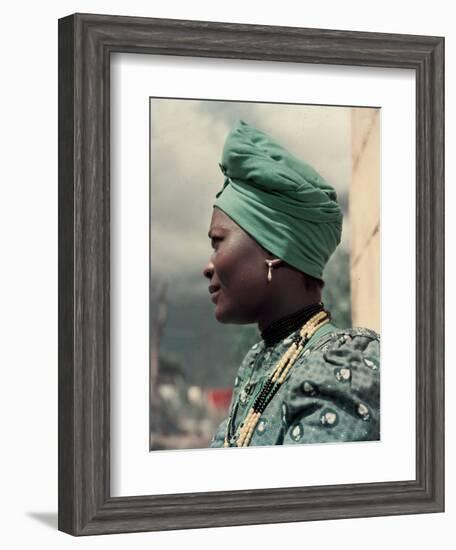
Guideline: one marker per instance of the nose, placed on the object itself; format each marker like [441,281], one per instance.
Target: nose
[209,270]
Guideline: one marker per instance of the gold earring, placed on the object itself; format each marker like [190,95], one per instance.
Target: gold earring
[269,262]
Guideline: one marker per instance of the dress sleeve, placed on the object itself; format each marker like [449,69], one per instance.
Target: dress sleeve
[219,437]
[333,393]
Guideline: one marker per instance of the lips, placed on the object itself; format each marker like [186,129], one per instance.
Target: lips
[214,296]
[214,291]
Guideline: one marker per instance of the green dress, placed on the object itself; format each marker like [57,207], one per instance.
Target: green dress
[332,392]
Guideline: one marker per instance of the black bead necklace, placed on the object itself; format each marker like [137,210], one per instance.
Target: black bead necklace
[280,329]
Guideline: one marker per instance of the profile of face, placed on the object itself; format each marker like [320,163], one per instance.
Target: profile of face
[237,272]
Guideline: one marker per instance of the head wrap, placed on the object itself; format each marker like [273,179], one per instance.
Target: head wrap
[279,200]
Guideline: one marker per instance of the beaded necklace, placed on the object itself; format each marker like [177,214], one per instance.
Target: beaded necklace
[278,330]
[273,383]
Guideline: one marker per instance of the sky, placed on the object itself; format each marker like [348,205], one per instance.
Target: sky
[187,138]
[186,143]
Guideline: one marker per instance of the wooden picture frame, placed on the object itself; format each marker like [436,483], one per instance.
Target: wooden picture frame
[85,45]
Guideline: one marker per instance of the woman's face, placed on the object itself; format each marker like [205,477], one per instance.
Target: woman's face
[237,272]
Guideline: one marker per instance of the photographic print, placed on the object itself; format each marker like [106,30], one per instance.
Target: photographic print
[264,274]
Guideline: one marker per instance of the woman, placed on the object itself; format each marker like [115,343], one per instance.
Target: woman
[274,226]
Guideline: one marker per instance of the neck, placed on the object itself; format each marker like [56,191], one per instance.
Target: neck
[283,308]
[281,328]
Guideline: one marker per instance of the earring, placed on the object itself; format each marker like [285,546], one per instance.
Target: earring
[269,262]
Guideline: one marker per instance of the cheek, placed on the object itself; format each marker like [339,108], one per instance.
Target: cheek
[226,267]
[239,270]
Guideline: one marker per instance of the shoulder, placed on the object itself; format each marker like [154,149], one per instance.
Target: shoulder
[336,381]
[356,337]
[354,346]
[349,354]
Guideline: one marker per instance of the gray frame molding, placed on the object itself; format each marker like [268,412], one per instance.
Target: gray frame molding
[85,44]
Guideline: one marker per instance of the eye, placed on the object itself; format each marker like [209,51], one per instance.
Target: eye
[215,240]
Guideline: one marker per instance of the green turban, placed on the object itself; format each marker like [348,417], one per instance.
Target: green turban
[279,200]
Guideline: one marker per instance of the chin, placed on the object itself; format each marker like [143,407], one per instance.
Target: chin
[222,316]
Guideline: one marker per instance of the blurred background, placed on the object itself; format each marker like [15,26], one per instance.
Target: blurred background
[193,358]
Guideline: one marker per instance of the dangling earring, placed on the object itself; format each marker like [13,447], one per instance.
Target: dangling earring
[269,262]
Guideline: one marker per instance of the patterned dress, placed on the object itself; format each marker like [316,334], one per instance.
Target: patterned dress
[332,392]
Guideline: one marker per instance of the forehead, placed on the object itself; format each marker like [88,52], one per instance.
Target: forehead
[220,221]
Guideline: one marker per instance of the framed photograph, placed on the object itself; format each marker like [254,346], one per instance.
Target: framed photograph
[313,160]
